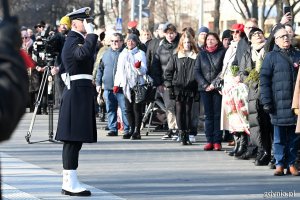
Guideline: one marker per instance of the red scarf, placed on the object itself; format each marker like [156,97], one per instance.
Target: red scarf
[29,63]
[211,49]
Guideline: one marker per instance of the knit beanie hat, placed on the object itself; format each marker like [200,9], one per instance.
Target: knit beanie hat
[66,20]
[226,34]
[203,29]
[133,37]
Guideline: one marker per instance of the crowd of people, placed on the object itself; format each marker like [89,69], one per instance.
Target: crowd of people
[246,83]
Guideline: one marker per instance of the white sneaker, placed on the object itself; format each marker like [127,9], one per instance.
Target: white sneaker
[192,138]
[174,137]
[166,137]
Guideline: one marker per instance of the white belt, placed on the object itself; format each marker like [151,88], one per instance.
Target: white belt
[67,78]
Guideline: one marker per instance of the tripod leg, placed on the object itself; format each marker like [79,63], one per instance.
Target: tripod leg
[50,101]
[37,104]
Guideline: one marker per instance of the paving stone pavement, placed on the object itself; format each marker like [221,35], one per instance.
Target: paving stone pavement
[151,168]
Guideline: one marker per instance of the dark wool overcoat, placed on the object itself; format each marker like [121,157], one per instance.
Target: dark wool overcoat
[77,112]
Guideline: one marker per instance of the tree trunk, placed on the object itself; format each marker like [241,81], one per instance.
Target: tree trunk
[217,16]
[99,13]
[165,10]
[255,9]
[126,13]
[279,6]
[151,6]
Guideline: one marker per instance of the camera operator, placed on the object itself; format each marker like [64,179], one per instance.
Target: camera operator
[57,69]
[46,49]
[40,28]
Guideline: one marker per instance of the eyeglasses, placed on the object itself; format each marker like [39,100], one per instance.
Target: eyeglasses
[113,41]
[283,36]
[236,31]
[257,33]
[24,38]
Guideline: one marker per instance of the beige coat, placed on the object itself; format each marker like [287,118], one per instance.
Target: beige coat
[296,102]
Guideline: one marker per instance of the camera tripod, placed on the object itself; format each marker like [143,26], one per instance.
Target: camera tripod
[50,98]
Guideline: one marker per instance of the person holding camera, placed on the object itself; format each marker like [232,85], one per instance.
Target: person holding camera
[77,121]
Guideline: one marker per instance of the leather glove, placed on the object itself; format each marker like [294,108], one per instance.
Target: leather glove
[10,35]
[268,108]
[137,64]
[89,27]
[115,89]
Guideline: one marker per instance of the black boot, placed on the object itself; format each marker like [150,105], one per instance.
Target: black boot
[263,158]
[102,118]
[137,134]
[236,145]
[130,133]
[185,138]
[250,153]
[243,145]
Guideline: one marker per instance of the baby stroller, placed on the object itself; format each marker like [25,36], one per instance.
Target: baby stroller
[155,107]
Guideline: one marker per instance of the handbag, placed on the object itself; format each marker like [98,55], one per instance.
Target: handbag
[141,90]
[140,93]
[219,82]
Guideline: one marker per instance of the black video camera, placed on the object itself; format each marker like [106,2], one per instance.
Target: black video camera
[46,48]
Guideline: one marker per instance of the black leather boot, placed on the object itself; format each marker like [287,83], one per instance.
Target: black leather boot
[263,158]
[137,134]
[243,145]
[236,145]
[185,138]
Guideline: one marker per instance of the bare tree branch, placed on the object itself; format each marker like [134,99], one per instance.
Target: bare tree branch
[270,9]
[244,2]
[237,10]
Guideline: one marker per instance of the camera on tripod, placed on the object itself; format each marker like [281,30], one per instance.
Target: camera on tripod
[46,48]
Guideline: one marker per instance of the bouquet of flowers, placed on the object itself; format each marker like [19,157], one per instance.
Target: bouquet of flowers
[234,70]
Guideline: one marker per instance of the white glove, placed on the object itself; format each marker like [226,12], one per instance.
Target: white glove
[89,27]
[98,89]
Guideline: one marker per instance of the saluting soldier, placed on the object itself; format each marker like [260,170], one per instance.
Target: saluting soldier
[76,122]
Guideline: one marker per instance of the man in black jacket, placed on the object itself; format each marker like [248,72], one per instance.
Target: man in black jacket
[277,82]
[166,49]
